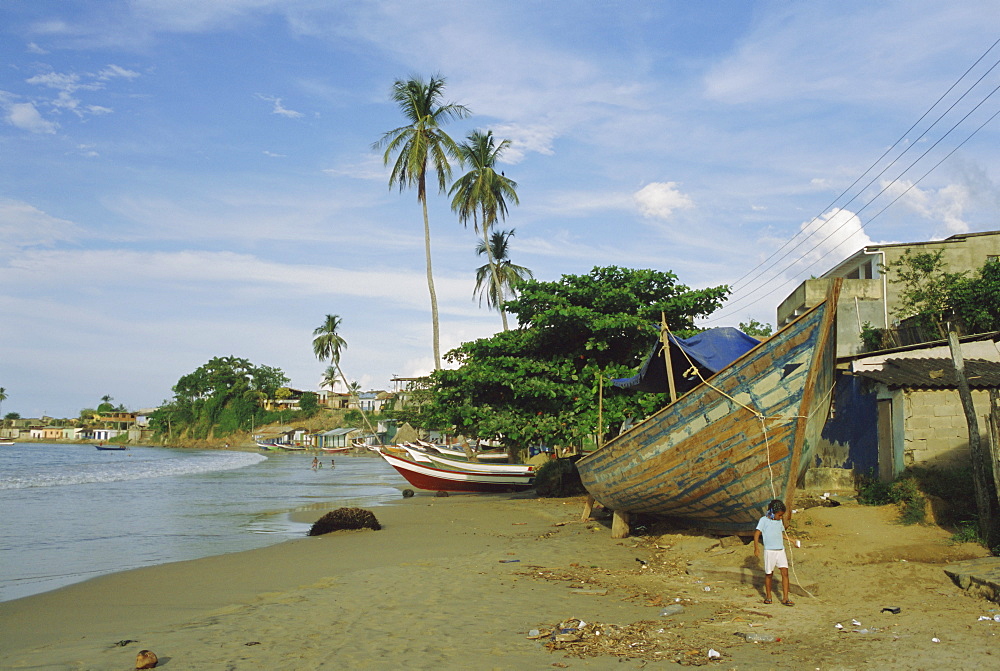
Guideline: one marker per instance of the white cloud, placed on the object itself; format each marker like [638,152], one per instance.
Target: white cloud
[23,225]
[827,239]
[113,71]
[280,109]
[946,205]
[525,138]
[659,200]
[33,48]
[26,117]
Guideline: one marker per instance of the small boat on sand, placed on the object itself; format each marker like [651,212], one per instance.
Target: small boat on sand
[745,435]
[6,441]
[335,450]
[423,476]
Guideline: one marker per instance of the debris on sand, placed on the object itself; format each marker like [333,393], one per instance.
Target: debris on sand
[345,518]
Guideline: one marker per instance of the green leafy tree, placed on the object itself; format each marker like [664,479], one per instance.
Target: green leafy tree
[925,288]
[482,195]
[411,147]
[756,329]
[500,277]
[12,416]
[976,300]
[309,403]
[222,396]
[540,382]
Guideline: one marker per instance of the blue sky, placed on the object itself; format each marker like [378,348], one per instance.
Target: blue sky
[183,179]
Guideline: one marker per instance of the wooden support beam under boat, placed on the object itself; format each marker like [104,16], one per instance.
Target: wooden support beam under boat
[620,524]
[588,508]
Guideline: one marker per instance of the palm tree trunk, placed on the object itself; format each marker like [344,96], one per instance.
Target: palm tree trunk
[360,409]
[430,288]
[494,272]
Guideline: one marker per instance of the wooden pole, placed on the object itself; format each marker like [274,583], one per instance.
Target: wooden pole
[983,498]
[994,446]
[665,339]
[600,410]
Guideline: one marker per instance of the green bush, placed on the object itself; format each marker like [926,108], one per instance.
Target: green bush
[558,477]
[903,492]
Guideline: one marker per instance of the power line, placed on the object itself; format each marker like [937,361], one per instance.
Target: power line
[805,233]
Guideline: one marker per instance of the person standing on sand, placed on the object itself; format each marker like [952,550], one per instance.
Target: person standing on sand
[771,529]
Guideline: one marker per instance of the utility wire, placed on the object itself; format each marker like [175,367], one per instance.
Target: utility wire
[884,154]
[886,207]
[807,232]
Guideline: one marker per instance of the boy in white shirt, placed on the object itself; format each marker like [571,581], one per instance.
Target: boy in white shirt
[771,529]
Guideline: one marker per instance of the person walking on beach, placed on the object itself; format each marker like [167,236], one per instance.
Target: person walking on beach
[771,529]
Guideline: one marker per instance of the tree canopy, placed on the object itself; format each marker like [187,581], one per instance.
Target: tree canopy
[540,382]
[222,396]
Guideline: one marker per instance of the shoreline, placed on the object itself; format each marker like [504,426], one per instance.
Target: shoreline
[460,582]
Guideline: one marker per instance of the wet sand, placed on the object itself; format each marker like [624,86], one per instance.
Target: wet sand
[461,582]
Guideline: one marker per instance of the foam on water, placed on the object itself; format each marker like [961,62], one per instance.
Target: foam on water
[125,468]
[71,512]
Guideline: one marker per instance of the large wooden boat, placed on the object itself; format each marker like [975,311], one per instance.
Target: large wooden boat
[423,476]
[718,454]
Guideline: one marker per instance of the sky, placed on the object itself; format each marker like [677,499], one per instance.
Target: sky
[186,179]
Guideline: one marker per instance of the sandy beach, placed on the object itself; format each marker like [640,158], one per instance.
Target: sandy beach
[461,582]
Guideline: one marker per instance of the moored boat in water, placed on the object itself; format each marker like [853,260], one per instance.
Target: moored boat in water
[745,435]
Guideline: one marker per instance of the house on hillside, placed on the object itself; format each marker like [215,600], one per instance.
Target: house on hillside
[337,437]
[868,295]
[375,401]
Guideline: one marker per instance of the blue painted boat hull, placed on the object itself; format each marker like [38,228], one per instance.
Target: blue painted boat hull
[720,453]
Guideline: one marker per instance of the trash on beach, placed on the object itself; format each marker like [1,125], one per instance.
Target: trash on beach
[935,640]
[839,626]
[713,653]
[672,609]
[707,588]
[122,644]
[509,561]
[855,623]
[756,637]
[895,610]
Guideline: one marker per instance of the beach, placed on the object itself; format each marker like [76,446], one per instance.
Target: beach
[471,581]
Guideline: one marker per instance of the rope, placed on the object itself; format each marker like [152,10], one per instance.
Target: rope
[762,418]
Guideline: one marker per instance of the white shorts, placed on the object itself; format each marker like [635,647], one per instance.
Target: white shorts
[774,559]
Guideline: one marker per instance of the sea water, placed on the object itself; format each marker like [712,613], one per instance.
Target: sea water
[72,512]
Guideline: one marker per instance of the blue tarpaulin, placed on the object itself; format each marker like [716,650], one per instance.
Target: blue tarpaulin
[710,351]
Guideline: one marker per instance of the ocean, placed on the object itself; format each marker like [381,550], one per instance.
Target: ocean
[71,512]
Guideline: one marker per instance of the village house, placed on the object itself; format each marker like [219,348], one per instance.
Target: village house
[868,296]
[898,407]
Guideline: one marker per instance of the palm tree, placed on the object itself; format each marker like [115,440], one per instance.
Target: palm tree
[481,194]
[329,377]
[327,345]
[502,277]
[413,145]
[3,397]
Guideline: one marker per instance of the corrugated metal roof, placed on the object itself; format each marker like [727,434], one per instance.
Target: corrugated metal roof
[934,373]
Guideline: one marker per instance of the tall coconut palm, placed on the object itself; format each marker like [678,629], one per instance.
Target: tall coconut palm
[481,194]
[498,279]
[329,377]
[3,397]
[328,344]
[413,146]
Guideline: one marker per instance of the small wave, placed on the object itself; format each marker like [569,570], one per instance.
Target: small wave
[136,470]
